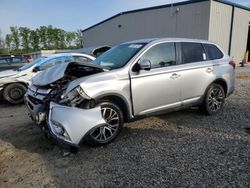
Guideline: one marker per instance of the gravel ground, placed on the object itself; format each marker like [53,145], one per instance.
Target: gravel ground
[180,149]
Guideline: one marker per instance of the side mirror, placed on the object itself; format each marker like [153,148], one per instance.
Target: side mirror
[36,69]
[144,64]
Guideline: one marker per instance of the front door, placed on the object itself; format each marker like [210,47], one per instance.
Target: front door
[158,88]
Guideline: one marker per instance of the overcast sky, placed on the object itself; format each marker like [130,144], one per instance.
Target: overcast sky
[69,15]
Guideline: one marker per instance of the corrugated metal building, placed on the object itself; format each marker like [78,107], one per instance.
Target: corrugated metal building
[216,20]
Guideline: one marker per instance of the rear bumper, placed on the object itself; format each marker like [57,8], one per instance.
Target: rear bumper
[230,92]
[70,125]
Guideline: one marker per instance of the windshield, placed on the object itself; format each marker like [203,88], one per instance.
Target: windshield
[28,65]
[118,56]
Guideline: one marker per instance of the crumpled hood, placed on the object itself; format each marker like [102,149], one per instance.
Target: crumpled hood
[50,75]
[57,72]
[8,73]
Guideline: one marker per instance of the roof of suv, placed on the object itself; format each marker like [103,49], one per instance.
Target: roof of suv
[168,39]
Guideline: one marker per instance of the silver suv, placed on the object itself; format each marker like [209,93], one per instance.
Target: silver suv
[91,102]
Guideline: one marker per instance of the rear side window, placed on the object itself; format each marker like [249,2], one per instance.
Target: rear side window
[192,52]
[213,52]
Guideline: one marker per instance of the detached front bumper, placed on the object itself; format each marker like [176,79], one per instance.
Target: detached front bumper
[34,100]
[70,124]
[36,110]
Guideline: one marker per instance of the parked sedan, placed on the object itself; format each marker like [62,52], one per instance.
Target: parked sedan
[14,83]
[12,62]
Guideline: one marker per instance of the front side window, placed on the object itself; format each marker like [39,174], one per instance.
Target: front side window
[192,52]
[213,52]
[161,55]
[118,56]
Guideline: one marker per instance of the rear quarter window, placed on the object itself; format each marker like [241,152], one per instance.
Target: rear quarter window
[213,52]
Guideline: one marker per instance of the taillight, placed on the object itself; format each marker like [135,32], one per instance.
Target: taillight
[232,63]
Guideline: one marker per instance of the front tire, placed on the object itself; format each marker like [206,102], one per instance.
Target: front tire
[113,116]
[214,99]
[14,93]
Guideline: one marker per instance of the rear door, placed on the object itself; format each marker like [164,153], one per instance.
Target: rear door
[158,88]
[197,72]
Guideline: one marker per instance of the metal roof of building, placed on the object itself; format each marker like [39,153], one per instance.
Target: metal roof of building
[168,5]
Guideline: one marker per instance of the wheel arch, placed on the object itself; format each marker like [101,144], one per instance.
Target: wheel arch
[23,83]
[222,83]
[203,106]
[219,81]
[118,100]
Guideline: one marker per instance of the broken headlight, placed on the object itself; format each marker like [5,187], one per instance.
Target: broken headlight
[82,93]
[75,96]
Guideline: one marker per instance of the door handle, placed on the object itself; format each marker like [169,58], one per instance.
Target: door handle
[174,76]
[209,70]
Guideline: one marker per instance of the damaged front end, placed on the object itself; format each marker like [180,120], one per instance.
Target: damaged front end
[58,103]
[58,113]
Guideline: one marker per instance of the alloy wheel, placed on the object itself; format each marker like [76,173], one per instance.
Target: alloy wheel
[215,99]
[107,131]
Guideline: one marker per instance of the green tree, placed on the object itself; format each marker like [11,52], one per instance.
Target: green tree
[15,37]
[2,44]
[42,32]
[34,40]
[55,38]
[44,37]
[70,37]
[79,39]
[8,42]
[50,37]
[24,33]
[62,36]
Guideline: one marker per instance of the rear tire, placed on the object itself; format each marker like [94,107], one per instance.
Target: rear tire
[113,116]
[214,99]
[14,93]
